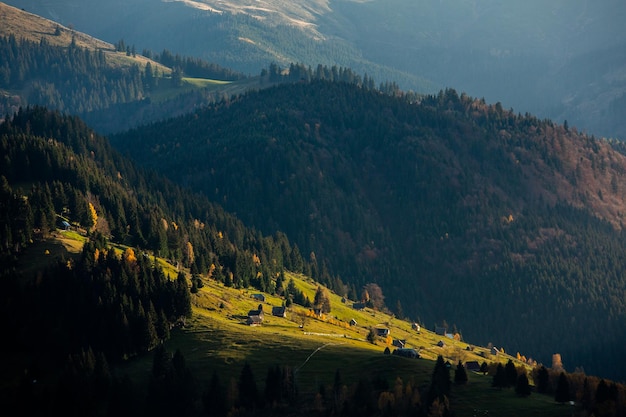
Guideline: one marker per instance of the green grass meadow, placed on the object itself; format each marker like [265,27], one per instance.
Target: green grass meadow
[217,339]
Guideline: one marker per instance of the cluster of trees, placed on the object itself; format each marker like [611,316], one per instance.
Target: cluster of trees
[193,67]
[302,73]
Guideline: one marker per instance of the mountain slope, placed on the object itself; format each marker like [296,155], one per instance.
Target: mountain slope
[87,324]
[460,210]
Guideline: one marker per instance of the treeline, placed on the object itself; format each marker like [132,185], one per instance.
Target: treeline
[303,73]
[193,67]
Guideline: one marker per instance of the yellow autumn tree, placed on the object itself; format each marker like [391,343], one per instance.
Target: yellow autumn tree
[93,216]
[386,401]
[189,255]
[129,256]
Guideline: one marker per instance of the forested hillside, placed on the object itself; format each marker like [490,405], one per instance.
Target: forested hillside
[502,225]
[112,87]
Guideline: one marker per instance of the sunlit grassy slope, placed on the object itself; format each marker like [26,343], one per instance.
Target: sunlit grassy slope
[217,339]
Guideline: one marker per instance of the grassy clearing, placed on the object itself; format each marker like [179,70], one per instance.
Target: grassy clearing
[204,82]
[62,244]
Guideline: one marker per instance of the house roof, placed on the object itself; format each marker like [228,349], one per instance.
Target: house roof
[279,311]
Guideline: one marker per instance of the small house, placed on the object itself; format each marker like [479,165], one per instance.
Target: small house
[382,331]
[259,297]
[65,225]
[353,322]
[399,343]
[258,313]
[415,327]
[317,312]
[441,331]
[254,321]
[441,343]
[279,311]
[407,353]
[473,366]
[494,350]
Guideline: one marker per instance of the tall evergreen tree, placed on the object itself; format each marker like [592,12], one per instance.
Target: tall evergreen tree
[562,394]
[248,393]
[510,373]
[440,383]
[543,381]
[522,387]
[214,398]
[460,374]
[499,378]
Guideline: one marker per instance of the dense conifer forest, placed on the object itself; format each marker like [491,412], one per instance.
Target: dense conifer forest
[462,211]
[76,321]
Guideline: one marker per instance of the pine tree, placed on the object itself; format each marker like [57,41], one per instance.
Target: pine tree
[248,393]
[214,398]
[440,383]
[562,394]
[543,381]
[510,373]
[499,379]
[460,374]
[522,387]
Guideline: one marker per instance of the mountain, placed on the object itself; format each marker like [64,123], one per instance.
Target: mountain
[507,227]
[561,60]
[101,327]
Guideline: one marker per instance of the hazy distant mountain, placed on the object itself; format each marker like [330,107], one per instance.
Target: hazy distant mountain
[562,59]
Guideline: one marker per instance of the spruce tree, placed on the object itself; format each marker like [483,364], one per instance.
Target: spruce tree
[248,394]
[543,381]
[510,374]
[460,374]
[522,387]
[561,394]
[440,384]
[214,398]
[499,379]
